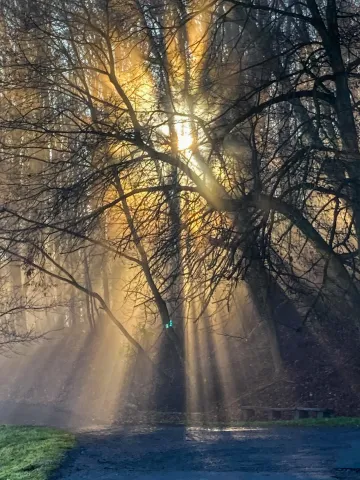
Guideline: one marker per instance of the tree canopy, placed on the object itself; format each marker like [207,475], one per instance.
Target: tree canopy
[202,144]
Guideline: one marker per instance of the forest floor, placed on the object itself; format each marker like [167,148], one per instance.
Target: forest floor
[179,453]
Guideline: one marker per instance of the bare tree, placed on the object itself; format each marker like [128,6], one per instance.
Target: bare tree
[218,143]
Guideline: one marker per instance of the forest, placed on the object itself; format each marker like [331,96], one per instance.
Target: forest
[183,177]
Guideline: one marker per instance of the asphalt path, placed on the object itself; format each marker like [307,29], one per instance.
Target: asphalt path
[179,453]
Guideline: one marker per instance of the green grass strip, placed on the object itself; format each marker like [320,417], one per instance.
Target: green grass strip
[31,452]
[306,422]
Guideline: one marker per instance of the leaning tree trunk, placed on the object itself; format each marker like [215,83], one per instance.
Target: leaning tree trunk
[259,284]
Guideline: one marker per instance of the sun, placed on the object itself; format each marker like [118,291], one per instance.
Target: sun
[184,136]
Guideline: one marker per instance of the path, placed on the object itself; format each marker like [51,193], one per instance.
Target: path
[175,453]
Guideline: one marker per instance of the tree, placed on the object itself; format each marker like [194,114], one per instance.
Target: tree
[216,142]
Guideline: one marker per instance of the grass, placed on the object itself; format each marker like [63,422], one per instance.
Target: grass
[210,421]
[306,422]
[31,452]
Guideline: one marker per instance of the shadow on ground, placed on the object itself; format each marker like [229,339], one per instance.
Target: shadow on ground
[198,454]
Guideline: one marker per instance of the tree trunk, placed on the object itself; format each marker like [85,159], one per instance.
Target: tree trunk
[259,285]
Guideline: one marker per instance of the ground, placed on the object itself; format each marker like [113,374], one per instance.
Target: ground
[31,452]
[178,453]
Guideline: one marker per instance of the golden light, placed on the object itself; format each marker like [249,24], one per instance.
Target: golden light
[183,131]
